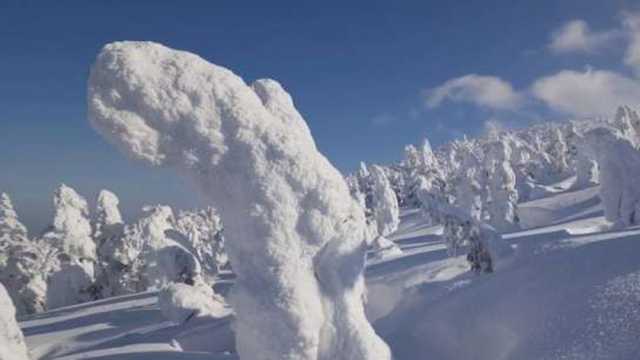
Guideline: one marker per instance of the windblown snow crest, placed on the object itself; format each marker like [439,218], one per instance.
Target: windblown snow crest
[296,237]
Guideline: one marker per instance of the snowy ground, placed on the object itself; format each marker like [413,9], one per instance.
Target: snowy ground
[572,291]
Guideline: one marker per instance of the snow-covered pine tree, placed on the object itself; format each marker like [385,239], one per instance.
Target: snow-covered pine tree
[70,234]
[503,196]
[108,231]
[11,229]
[202,235]
[385,210]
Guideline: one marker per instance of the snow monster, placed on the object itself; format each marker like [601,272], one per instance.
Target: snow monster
[295,235]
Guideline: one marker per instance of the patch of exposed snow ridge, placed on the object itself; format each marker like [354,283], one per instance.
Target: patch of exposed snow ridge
[296,236]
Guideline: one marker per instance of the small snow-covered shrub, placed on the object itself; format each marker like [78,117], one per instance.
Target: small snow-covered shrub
[181,302]
[12,345]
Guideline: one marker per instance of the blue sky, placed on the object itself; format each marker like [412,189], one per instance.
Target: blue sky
[360,72]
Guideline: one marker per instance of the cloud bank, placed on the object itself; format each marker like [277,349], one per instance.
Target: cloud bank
[486,91]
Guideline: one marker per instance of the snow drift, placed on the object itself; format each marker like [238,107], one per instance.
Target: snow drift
[285,206]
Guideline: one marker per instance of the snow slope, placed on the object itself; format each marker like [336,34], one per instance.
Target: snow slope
[572,291]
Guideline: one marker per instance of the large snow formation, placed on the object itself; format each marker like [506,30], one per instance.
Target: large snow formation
[285,206]
[619,163]
[12,345]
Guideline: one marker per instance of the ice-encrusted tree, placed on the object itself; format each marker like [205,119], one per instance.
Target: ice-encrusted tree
[108,231]
[70,234]
[285,206]
[12,231]
[470,187]
[12,344]
[25,264]
[202,235]
[503,196]
[107,220]
[71,228]
[384,202]
[627,121]
[386,211]
[619,164]
[26,273]
[558,151]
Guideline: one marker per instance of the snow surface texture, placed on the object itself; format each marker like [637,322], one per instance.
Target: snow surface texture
[619,165]
[285,206]
[181,302]
[12,346]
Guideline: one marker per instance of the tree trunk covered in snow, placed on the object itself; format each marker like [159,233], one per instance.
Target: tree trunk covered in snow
[295,235]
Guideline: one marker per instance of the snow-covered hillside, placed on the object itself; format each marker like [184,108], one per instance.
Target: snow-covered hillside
[518,244]
[571,291]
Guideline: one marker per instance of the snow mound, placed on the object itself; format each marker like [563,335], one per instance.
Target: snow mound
[285,206]
[181,302]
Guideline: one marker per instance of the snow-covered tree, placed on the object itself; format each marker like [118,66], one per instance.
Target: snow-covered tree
[12,345]
[107,220]
[558,152]
[619,164]
[503,196]
[70,234]
[386,212]
[627,121]
[296,236]
[71,228]
[469,187]
[11,229]
[201,232]
[108,233]
[384,203]
[26,273]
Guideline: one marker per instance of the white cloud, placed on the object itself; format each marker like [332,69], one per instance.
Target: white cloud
[486,91]
[575,36]
[631,24]
[382,119]
[590,93]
